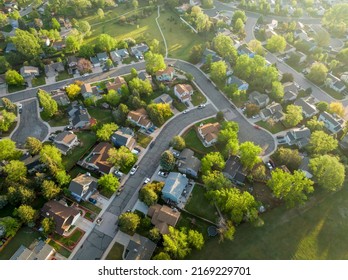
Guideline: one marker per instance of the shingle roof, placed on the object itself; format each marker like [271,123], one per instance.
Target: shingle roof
[175,184]
[163,217]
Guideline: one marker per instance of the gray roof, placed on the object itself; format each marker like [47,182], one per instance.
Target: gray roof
[189,161]
[122,52]
[139,248]
[119,139]
[80,116]
[78,184]
[308,108]
[289,95]
[235,80]
[233,164]
[164,98]
[140,48]
[290,87]
[334,121]
[175,184]
[102,56]
[94,60]
[54,68]
[258,98]
[243,49]
[40,252]
[127,130]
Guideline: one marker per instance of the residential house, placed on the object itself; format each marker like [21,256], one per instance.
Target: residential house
[63,215]
[183,92]
[304,167]
[335,83]
[72,64]
[81,118]
[274,111]
[73,108]
[259,99]
[241,85]
[301,34]
[65,141]
[41,251]
[145,76]
[139,118]
[215,57]
[64,23]
[244,49]
[297,56]
[208,133]
[95,61]
[273,25]
[163,216]
[10,47]
[183,8]
[139,248]
[165,75]
[29,71]
[32,163]
[59,45]
[118,55]
[83,186]
[195,3]
[234,170]
[139,50]
[333,123]
[290,92]
[88,91]
[119,139]
[163,99]
[60,97]
[344,77]
[102,57]
[188,163]
[117,84]
[298,136]
[174,187]
[52,70]
[98,158]
[308,107]
[288,49]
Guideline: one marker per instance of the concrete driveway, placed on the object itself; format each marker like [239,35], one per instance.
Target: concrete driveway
[30,124]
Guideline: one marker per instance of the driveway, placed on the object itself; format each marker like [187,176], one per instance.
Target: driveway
[30,124]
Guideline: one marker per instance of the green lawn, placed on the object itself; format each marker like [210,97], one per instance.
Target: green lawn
[105,193]
[333,93]
[69,241]
[90,206]
[110,14]
[277,127]
[79,170]
[63,76]
[195,205]
[13,88]
[87,139]
[210,120]
[61,250]
[116,252]
[198,98]
[25,236]
[38,81]
[316,230]
[190,222]
[192,142]
[59,119]
[101,115]
[143,140]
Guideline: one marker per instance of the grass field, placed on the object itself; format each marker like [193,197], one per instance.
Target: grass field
[38,81]
[90,206]
[70,240]
[277,127]
[143,140]
[60,119]
[198,98]
[101,115]
[316,230]
[116,252]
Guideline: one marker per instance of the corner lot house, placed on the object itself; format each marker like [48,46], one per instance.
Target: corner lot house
[139,248]
[333,123]
[97,159]
[165,75]
[41,251]
[208,133]
[183,92]
[188,163]
[163,216]
[65,141]
[64,216]
[139,118]
[83,186]
[174,187]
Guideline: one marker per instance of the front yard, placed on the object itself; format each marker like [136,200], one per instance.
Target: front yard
[198,98]
[38,81]
[143,140]
[63,76]
[59,119]
[90,206]
[60,249]
[277,127]
[71,240]
[116,252]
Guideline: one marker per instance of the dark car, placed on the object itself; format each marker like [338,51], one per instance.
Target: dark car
[92,200]
[151,145]
[69,127]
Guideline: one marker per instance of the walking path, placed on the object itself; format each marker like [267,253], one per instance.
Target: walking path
[160,30]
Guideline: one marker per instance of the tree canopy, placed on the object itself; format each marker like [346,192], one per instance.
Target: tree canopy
[178,143]
[212,161]
[154,62]
[121,157]
[249,154]
[128,222]
[109,183]
[167,161]
[321,143]
[293,115]
[104,133]
[7,118]
[49,105]
[276,43]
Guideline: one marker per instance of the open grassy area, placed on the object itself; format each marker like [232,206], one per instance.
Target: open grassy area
[101,115]
[105,193]
[143,140]
[190,222]
[192,142]
[38,81]
[277,127]
[198,98]
[63,76]
[13,88]
[87,139]
[59,119]
[61,250]
[333,93]
[316,230]
[25,236]
[70,240]
[90,206]
[116,252]
[195,205]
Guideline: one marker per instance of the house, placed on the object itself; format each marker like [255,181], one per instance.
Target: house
[183,8]
[73,108]
[335,83]
[60,97]
[308,107]
[165,75]
[259,99]
[188,163]
[241,85]
[208,133]
[119,139]
[65,141]
[32,163]
[234,170]
[344,77]
[72,63]
[274,111]
[83,186]
[304,167]
[41,251]
[195,3]
[298,136]
[139,118]
[139,50]
[102,57]
[52,70]
[97,159]
[163,99]
[144,76]
[81,118]
[139,248]
[118,55]
[116,85]
[183,92]
[63,216]
[86,90]
[244,49]
[29,71]
[174,187]
[95,61]
[163,216]
[301,34]
[290,91]
[59,45]
[64,23]
[273,25]
[288,49]
[10,47]
[333,123]
[123,53]
[215,57]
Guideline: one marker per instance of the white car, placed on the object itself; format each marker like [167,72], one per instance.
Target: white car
[19,106]
[201,106]
[118,174]
[186,111]
[146,180]
[270,167]
[134,169]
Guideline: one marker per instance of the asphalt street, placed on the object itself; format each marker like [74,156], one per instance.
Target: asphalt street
[30,124]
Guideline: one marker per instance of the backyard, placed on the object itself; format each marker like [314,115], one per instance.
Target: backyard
[116,252]
[101,115]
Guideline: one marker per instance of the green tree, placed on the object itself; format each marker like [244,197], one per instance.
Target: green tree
[4,65]
[337,108]
[148,195]
[318,73]
[84,28]
[26,43]
[335,19]
[11,226]
[33,145]
[239,14]
[49,189]
[155,234]
[203,23]
[100,13]
[3,201]
[49,105]
[26,214]
[73,44]
[3,19]
[104,133]
[162,255]
[159,113]
[138,86]
[73,90]
[293,115]
[122,157]
[55,24]
[154,46]
[328,172]
[321,143]
[15,171]
[8,150]
[134,73]
[224,46]
[322,106]
[252,110]
[212,161]
[207,4]
[256,47]
[249,154]
[13,78]
[343,56]
[178,143]
[20,195]
[6,120]
[128,222]
[291,158]
[238,26]
[48,226]
[8,104]
[276,43]
[135,4]
[216,180]
[167,161]
[218,72]
[154,62]
[277,92]
[62,177]
[196,54]
[52,157]
[113,98]
[105,43]
[259,173]
[195,239]
[87,51]
[109,63]
[109,183]
[314,125]
[14,15]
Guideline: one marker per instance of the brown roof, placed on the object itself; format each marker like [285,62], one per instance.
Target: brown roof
[66,137]
[163,217]
[183,88]
[86,88]
[139,116]
[168,70]
[210,131]
[61,214]
[117,84]
[100,156]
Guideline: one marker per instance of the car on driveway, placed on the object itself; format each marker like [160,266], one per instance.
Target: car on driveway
[270,167]
[146,180]
[134,169]
[92,200]
[163,174]
[69,127]
[152,144]
[118,174]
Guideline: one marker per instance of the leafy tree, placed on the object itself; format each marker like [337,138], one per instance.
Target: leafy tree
[207,4]
[276,43]
[20,195]
[162,255]
[13,77]
[293,115]
[49,189]
[196,54]
[3,19]
[291,158]
[8,150]
[3,201]
[135,4]
[144,88]
[239,14]
[216,180]
[226,230]
[238,26]
[122,157]
[104,133]
[84,28]
[252,110]
[256,47]
[26,214]
[178,143]
[335,19]
[52,157]
[343,56]
[148,195]
[159,113]
[87,51]
[109,183]
[287,77]
[277,92]
[321,143]
[49,105]
[62,177]
[322,106]
[224,46]
[84,66]
[318,73]
[293,188]
[105,43]
[218,72]
[212,161]
[121,114]
[109,63]
[314,125]
[6,120]
[48,226]
[134,73]
[328,172]
[26,43]
[15,171]
[155,234]
[73,90]
[8,104]
[203,23]
[154,46]
[33,145]
[220,116]
[337,108]
[259,173]
[4,65]
[154,62]
[167,160]
[73,44]
[113,98]
[11,226]
[128,222]
[195,239]
[100,13]
[55,24]
[249,154]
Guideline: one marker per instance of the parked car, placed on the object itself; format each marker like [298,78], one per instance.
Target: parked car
[176,154]
[146,180]
[163,174]
[134,169]
[99,221]
[118,173]
[92,200]
[186,111]
[270,167]
[69,127]
[152,144]
[272,163]
[201,106]
[134,151]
